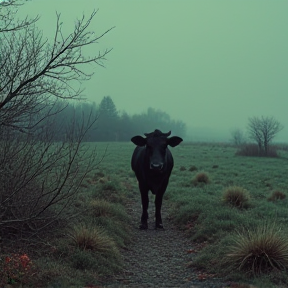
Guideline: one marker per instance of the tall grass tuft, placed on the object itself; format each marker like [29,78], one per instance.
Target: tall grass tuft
[201,177]
[277,195]
[236,196]
[101,207]
[193,168]
[92,238]
[259,250]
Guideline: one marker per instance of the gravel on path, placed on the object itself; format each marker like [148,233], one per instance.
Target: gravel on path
[158,257]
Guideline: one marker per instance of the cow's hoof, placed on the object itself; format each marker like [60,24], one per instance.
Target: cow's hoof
[159,226]
[143,226]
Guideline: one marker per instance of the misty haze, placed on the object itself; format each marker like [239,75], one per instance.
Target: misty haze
[143,143]
[211,65]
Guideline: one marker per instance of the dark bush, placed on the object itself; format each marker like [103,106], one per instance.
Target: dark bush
[277,195]
[253,150]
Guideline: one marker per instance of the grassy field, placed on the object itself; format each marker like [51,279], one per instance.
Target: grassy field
[241,238]
[242,241]
[234,208]
[226,231]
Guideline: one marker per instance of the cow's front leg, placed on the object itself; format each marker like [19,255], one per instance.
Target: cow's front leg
[145,204]
[158,204]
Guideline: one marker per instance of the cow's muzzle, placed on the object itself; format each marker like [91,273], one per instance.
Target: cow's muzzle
[156,166]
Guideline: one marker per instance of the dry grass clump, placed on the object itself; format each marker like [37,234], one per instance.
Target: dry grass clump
[260,250]
[100,207]
[201,177]
[277,195]
[240,285]
[103,180]
[98,177]
[91,238]
[193,168]
[236,196]
[103,208]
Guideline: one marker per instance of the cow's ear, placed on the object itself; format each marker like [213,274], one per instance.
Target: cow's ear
[139,140]
[174,141]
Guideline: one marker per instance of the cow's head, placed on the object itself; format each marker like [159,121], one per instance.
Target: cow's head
[156,147]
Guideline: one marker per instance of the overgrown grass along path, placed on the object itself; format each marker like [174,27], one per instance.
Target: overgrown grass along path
[159,257]
[200,228]
[200,211]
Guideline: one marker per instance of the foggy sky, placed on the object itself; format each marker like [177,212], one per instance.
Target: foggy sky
[212,64]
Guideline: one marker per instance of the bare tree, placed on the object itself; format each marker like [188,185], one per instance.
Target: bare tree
[33,71]
[263,130]
[238,137]
[38,177]
[255,132]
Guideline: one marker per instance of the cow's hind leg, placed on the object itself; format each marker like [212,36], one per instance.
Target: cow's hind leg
[158,204]
[145,204]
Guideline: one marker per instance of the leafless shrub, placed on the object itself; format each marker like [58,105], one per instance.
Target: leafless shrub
[41,178]
[253,150]
[262,131]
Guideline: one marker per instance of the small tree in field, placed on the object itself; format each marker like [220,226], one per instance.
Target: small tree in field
[238,137]
[262,131]
[39,178]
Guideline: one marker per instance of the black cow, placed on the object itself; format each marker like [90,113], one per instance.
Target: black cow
[152,163]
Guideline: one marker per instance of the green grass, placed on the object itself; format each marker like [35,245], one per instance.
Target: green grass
[197,208]
[87,248]
[202,211]
[204,215]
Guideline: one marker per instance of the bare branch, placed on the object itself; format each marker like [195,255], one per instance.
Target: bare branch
[33,69]
[263,130]
[8,16]
[39,178]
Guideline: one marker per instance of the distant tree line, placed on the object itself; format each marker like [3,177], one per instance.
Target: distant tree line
[111,125]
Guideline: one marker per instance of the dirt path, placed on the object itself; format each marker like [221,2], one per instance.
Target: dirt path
[158,258]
